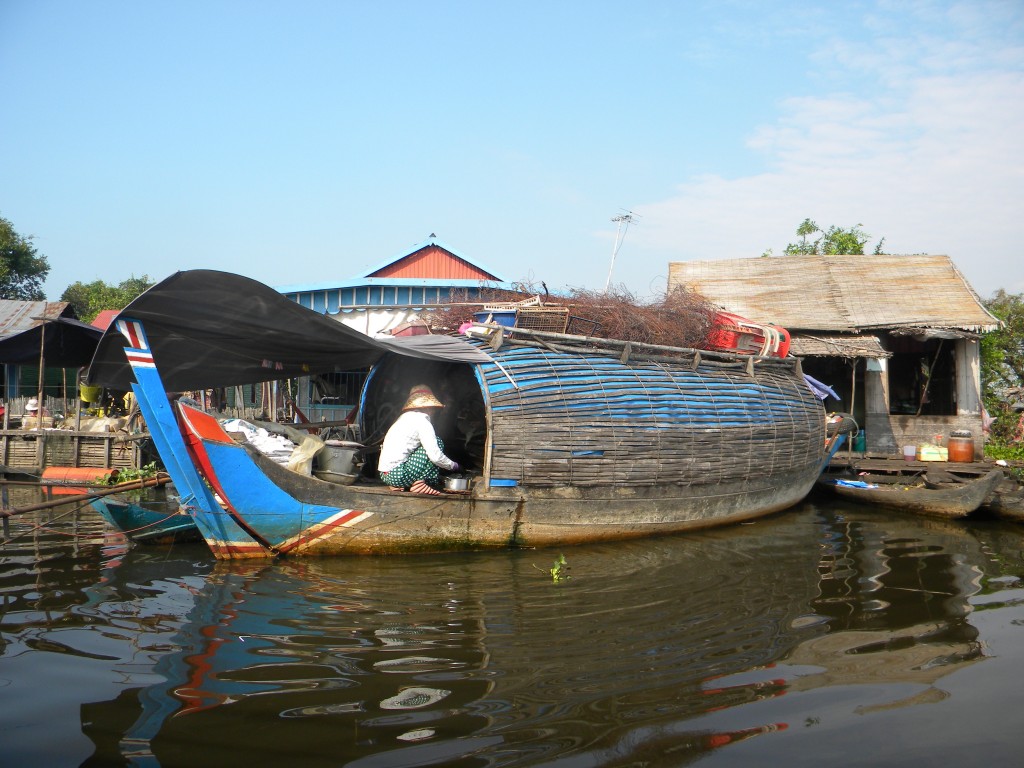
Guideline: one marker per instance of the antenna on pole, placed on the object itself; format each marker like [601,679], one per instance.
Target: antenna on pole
[622,221]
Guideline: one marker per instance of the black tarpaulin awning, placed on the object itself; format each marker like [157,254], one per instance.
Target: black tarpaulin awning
[216,329]
[67,343]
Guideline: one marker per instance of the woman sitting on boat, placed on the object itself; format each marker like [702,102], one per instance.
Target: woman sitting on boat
[412,454]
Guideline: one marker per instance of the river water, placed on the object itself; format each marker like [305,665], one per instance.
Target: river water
[829,634]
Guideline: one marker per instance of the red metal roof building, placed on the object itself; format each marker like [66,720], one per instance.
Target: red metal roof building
[426,274]
[383,299]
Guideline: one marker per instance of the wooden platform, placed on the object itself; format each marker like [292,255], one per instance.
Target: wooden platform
[874,463]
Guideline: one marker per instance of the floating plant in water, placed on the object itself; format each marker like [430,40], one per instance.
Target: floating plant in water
[559,569]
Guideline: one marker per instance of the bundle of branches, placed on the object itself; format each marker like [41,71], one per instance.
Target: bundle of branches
[680,318]
[462,307]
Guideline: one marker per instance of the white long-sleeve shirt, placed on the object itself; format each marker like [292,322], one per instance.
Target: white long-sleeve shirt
[411,430]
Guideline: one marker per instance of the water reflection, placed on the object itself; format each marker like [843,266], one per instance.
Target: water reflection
[894,596]
[664,647]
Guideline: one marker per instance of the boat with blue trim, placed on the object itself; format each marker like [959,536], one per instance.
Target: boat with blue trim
[570,439]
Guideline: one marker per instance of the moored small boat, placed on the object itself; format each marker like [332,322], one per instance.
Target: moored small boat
[949,498]
[1006,500]
[158,519]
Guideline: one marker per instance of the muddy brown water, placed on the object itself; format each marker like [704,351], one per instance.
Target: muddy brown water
[827,634]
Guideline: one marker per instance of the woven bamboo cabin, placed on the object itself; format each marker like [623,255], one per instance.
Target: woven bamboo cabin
[897,337]
[555,415]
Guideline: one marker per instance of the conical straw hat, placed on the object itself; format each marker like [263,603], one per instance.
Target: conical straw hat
[420,396]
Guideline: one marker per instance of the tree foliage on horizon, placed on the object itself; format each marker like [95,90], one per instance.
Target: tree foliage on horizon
[831,242]
[89,299]
[1004,349]
[1002,372]
[22,268]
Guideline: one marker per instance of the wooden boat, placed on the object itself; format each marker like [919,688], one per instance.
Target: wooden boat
[153,520]
[571,439]
[1006,500]
[950,496]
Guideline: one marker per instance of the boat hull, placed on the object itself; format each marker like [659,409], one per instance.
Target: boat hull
[292,512]
[1006,500]
[154,523]
[952,501]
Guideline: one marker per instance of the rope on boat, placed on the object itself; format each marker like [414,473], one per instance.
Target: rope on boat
[128,531]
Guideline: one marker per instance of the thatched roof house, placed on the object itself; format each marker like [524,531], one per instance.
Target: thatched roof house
[897,336]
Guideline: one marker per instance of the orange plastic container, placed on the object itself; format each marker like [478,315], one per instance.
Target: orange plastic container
[961,447]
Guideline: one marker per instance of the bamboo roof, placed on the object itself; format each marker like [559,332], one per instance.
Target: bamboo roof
[810,345]
[844,294]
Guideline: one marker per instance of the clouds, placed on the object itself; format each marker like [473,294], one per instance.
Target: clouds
[927,152]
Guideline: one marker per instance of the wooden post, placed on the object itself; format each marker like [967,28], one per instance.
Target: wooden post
[78,401]
[42,371]
[40,434]
[968,396]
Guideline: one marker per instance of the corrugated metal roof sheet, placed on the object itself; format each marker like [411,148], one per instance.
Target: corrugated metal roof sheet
[805,345]
[430,263]
[399,266]
[840,293]
[435,262]
[105,318]
[19,316]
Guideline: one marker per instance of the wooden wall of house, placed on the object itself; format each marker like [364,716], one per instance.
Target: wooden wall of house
[31,452]
[887,433]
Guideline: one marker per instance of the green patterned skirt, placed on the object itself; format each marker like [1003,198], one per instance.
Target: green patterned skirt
[417,467]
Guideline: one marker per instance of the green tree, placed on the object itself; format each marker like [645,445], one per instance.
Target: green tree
[89,299]
[22,268]
[830,242]
[1002,375]
[1002,351]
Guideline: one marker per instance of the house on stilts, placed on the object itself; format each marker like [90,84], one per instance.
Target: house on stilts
[897,337]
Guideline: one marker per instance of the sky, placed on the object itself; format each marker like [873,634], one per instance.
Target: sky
[308,141]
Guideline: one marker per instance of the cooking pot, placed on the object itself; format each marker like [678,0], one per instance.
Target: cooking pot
[456,483]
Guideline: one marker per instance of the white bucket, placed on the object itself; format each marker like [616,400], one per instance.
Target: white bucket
[909,452]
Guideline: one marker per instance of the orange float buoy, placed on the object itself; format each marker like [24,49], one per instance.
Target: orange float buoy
[75,479]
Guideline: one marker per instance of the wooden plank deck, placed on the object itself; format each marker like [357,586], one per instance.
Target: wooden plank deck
[898,463]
